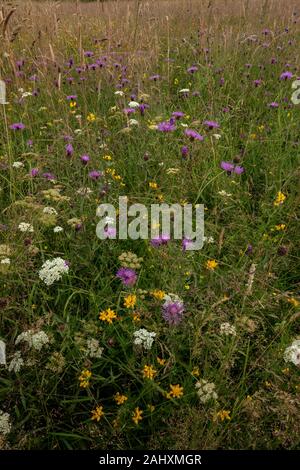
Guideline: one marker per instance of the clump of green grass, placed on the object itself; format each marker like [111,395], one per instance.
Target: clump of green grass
[74,376]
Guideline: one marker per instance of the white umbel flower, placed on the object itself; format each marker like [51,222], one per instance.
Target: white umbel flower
[144,338]
[5,424]
[50,210]
[206,390]
[18,164]
[227,330]
[58,229]
[52,270]
[16,363]
[25,227]
[93,348]
[292,353]
[34,340]
[5,261]
[133,104]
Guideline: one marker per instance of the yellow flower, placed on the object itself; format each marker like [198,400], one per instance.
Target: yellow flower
[176,391]
[130,301]
[107,315]
[91,117]
[293,301]
[73,104]
[158,294]
[160,361]
[253,136]
[280,227]
[149,372]
[176,81]
[195,371]
[280,198]
[136,316]
[151,408]
[153,185]
[120,399]
[137,415]
[211,264]
[84,378]
[97,413]
[107,157]
[222,415]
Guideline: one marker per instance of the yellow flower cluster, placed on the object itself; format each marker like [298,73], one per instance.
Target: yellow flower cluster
[120,399]
[280,198]
[107,315]
[97,413]
[149,372]
[176,391]
[84,378]
[211,264]
[137,415]
[130,301]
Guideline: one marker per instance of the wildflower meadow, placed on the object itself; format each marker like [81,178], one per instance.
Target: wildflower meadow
[122,343]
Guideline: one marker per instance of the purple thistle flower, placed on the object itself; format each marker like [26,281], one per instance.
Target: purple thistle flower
[154,77]
[211,124]
[160,240]
[166,126]
[34,172]
[85,159]
[172,311]
[184,151]
[88,54]
[274,104]
[49,176]
[72,97]
[286,75]
[192,69]
[193,135]
[178,114]
[128,111]
[128,276]
[227,166]
[186,242]
[17,126]
[95,175]
[110,232]
[69,149]
[257,82]
[239,170]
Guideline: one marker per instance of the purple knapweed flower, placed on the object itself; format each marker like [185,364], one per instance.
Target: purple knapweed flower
[184,151]
[274,104]
[231,168]
[128,111]
[193,135]
[49,176]
[69,149]
[34,172]
[85,159]
[17,126]
[160,240]
[154,77]
[172,311]
[95,174]
[178,114]
[257,82]
[286,75]
[211,124]
[192,69]
[88,54]
[166,126]
[186,242]
[72,97]
[128,276]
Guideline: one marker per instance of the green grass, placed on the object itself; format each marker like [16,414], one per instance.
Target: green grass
[48,409]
